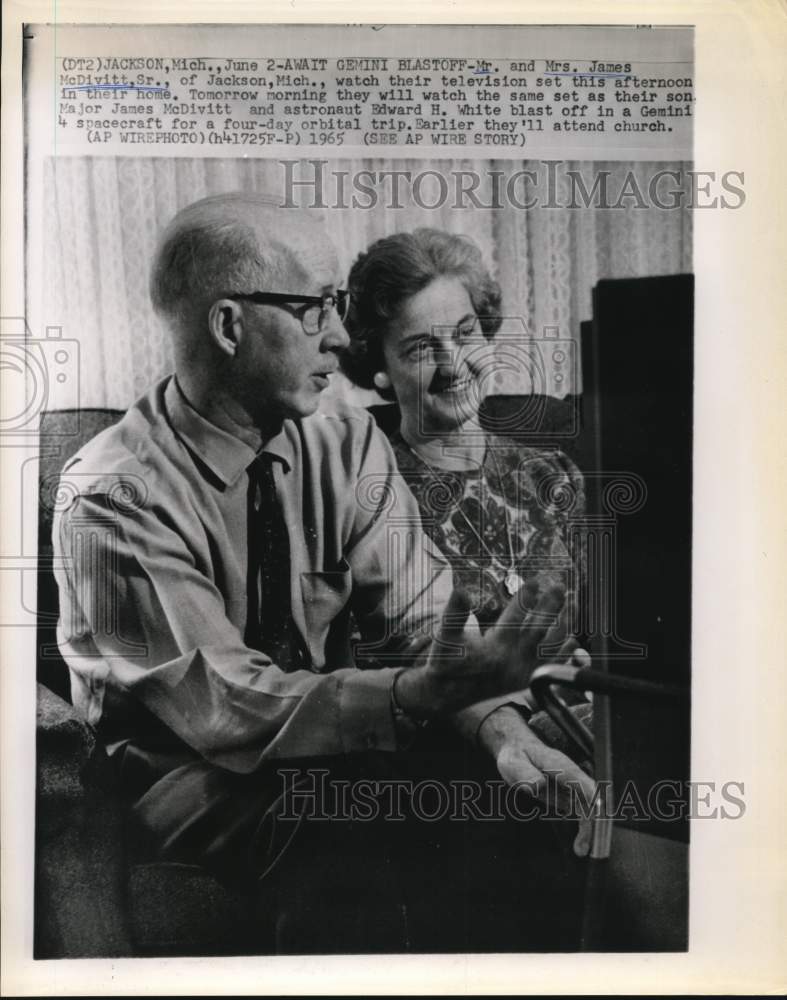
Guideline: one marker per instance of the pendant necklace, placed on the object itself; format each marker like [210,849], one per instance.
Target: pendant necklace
[512,581]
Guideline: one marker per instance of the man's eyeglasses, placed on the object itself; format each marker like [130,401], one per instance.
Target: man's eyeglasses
[314,311]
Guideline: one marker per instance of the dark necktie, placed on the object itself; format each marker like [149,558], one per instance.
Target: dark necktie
[269,624]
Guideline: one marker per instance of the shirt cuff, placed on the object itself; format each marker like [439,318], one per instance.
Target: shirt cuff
[469,720]
[366,719]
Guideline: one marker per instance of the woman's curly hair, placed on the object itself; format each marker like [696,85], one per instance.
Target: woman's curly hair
[394,269]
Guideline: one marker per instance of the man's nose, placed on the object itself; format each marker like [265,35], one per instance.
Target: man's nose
[334,336]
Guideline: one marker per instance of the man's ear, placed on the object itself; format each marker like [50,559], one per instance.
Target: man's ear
[225,322]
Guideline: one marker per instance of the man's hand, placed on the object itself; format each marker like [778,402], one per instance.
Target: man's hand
[463,667]
[547,774]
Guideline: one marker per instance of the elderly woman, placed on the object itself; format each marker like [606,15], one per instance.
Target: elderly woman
[424,311]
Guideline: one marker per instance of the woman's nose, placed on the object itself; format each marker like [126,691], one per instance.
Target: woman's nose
[444,354]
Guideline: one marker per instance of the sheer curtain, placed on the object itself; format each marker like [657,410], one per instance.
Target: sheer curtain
[102,217]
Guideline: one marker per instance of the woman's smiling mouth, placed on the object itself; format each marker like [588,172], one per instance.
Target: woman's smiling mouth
[451,387]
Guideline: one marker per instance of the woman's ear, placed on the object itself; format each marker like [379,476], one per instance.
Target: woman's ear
[225,322]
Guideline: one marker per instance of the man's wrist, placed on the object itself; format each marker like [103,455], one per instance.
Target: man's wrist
[407,693]
[405,723]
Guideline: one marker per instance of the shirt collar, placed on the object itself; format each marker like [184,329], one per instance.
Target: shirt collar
[224,454]
[281,445]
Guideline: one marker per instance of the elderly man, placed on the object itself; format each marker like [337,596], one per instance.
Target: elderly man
[220,538]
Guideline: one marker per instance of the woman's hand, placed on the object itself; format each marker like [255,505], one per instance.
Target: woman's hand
[551,777]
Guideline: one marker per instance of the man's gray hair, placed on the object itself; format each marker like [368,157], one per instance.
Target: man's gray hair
[214,247]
